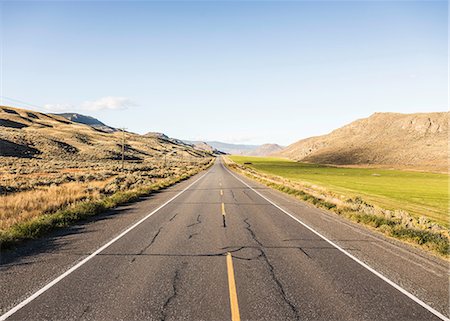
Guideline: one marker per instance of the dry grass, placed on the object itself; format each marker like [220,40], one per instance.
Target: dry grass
[37,209]
[30,188]
[25,206]
[54,171]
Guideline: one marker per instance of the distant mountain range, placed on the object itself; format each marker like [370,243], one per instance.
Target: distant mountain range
[265,150]
[241,149]
[399,140]
[208,146]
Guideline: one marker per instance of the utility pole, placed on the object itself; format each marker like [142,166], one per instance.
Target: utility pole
[123,148]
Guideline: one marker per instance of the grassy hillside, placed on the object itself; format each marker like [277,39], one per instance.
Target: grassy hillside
[405,141]
[54,171]
[419,193]
[26,134]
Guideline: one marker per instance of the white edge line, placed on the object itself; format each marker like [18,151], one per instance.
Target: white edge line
[88,258]
[381,276]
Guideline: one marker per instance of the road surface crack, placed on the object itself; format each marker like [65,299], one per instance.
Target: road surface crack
[249,229]
[246,194]
[148,245]
[192,235]
[175,284]
[171,219]
[152,241]
[232,194]
[272,271]
[304,252]
[85,311]
[197,222]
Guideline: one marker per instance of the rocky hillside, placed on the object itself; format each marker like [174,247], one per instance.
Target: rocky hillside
[399,140]
[30,134]
[88,120]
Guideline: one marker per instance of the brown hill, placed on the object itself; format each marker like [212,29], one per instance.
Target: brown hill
[418,141]
[88,120]
[30,134]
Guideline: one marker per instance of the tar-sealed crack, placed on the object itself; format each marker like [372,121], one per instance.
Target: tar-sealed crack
[152,241]
[272,270]
[304,252]
[149,244]
[192,235]
[249,228]
[85,311]
[232,194]
[197,222]
[175,284]
[246,194]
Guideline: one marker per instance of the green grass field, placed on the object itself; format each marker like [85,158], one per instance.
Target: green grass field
[419,193]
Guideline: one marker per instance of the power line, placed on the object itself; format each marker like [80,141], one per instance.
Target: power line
[22,102]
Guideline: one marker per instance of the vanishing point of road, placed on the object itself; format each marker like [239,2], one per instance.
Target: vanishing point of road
[220,247]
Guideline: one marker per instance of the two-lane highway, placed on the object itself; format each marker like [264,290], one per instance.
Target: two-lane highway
[219,250]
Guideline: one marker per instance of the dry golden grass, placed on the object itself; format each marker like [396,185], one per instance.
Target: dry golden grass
[30,214]
[31,188]
[50,166]
[24,206]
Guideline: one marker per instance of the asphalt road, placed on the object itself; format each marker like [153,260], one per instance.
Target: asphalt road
[220,250]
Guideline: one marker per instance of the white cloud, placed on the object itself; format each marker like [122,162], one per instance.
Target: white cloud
[104,103]
[110,103]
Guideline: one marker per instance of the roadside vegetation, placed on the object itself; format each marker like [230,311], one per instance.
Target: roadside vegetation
[54,171]
[411,206]
[38,195]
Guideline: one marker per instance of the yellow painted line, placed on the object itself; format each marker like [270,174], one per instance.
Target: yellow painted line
[221,192]
[232,288]
[223,209]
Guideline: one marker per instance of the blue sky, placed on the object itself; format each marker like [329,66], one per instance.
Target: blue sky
[243,72]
